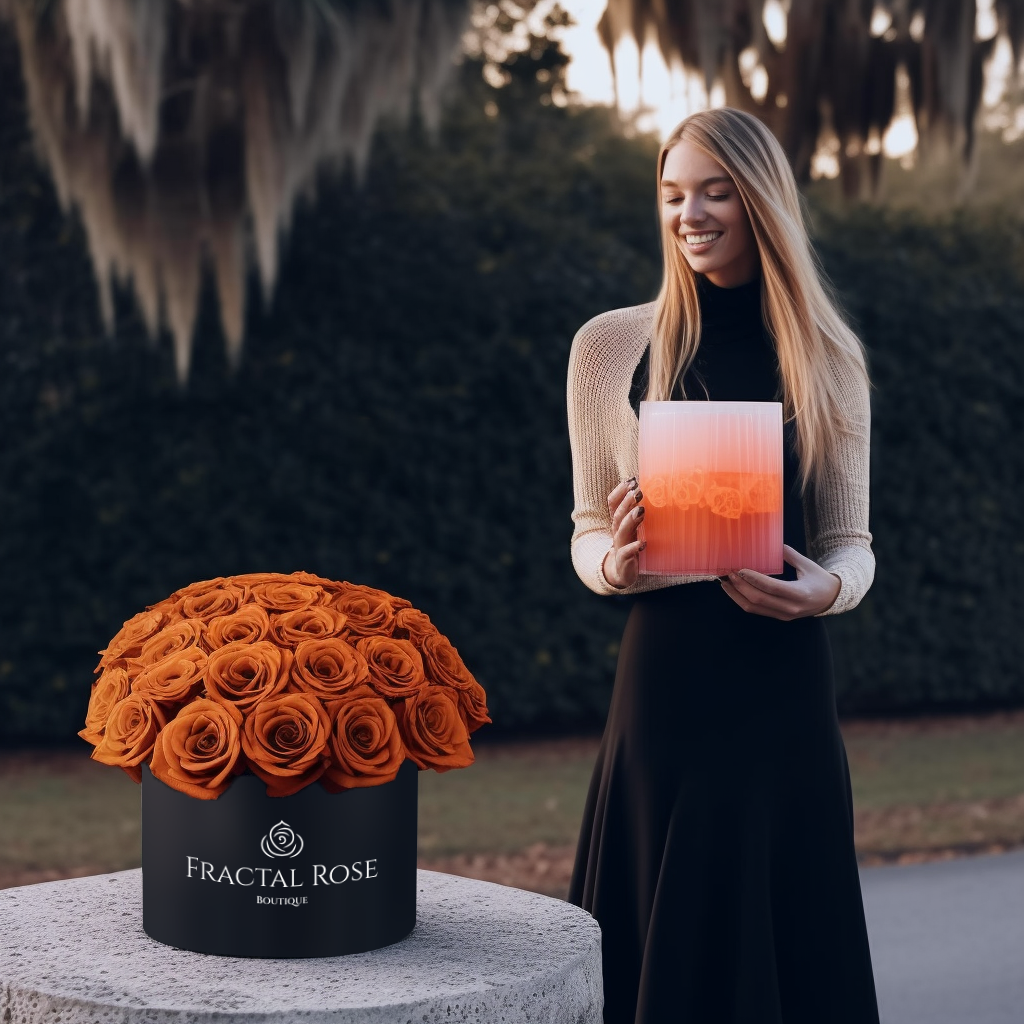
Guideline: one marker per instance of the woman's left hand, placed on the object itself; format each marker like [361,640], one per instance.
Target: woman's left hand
[814,590]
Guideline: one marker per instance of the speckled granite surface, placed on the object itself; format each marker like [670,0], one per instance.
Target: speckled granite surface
[74,951]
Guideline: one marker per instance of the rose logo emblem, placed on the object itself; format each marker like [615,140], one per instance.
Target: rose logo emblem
[281,841]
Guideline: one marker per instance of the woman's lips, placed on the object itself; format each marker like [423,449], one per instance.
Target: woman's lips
[702,246]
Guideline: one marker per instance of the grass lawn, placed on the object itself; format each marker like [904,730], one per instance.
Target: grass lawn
[922,788]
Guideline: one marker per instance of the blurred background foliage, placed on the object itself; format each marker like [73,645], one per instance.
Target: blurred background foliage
[398,418]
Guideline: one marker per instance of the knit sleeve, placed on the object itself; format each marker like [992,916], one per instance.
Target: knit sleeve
[603,436]
[836,511]
[596,458]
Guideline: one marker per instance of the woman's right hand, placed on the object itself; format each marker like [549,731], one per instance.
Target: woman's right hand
[622,562]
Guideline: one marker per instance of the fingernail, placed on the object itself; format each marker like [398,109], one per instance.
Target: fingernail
[643,545]
[639,510]
[639,494]
[632,481]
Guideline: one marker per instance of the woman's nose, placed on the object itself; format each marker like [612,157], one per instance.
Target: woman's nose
[691,214]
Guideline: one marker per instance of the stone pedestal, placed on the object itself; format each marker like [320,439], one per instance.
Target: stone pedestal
[75,951]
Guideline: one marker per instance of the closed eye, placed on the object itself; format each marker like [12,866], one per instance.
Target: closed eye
[716,198]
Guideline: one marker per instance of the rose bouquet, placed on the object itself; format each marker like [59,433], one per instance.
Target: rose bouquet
[294,678]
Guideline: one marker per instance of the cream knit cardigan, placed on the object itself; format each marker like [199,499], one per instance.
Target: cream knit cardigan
[604,432]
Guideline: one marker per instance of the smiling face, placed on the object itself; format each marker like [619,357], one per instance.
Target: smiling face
[698,199]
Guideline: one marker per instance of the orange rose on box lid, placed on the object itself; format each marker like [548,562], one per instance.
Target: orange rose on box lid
[293,678]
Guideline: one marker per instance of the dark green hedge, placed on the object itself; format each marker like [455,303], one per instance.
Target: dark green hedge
[398,419]
[941,306]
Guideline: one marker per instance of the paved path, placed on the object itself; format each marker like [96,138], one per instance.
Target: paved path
[947,940]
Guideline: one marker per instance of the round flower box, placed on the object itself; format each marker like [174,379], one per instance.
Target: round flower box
[277,724]
[312,874]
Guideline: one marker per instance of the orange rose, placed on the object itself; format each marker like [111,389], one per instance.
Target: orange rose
[655,491]
[174,680]
[111,687]
[365,744]
[200,586]
[443,664]
[328,668]
[763,494]
[289,629]
[249,624]
[433,730]
[128,641]
[213,602]
[688,489]
[395,666]
[249,579]
[368,611]
[330,586]
[196,589]
[724,501]
[285,742]
[131,731]
[197,752]
[286,595]
[361,588]
[246,674]
[414,625]
[473,706]
[176,639]
[170,607]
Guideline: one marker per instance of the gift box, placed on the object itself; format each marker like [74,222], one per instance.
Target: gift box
[711,474]
[307,875]
[277,724]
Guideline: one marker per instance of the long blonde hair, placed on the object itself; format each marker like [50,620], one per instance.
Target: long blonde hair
[813,343]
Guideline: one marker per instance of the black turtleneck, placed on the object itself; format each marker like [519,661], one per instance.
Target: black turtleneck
[736,359]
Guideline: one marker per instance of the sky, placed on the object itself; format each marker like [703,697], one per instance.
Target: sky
[669,92]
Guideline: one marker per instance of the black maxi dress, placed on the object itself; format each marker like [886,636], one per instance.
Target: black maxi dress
[716,849]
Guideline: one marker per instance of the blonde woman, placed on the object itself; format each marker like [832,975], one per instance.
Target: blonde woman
[716,849]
